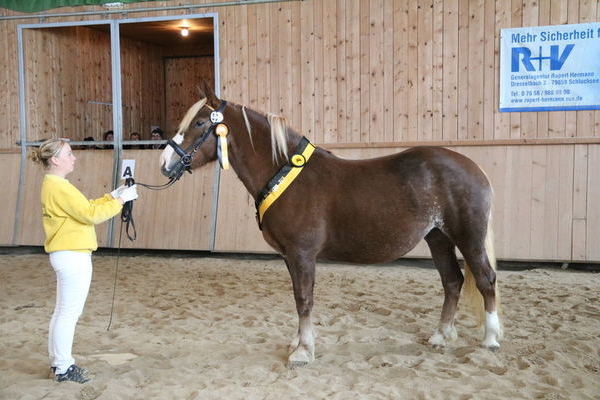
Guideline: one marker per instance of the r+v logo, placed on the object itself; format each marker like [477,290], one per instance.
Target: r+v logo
[522,55]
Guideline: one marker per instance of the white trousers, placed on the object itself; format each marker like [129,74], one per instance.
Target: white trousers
[73,277]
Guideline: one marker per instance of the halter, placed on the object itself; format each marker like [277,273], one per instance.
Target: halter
[186,156]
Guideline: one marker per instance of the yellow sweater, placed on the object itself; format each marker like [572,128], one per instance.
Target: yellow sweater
[69,217]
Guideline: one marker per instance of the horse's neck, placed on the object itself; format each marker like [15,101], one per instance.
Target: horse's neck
[253,162]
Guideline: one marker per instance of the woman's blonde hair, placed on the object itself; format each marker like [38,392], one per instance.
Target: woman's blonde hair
[48,149]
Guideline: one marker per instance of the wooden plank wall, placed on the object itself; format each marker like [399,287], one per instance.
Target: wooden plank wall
[63,101]
[9,163]
[182,76]
[351,71]
[371,76]
[175,218]
[143,83]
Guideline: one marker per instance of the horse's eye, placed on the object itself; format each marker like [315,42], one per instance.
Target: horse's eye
[200,124]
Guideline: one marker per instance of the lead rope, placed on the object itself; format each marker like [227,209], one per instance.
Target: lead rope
[127,218]
[127,212]
[112,305]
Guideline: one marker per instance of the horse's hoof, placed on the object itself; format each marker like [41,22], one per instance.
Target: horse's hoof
[437,341]
[444,334]
[438,348]
[491,344]
[300,358]
[492,348]
[296,364]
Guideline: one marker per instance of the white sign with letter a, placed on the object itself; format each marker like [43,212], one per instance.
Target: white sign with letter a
[127,169]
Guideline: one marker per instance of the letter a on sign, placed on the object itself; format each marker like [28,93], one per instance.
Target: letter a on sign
[127,169]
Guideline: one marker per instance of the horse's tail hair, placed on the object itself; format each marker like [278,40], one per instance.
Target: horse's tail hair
[471,297]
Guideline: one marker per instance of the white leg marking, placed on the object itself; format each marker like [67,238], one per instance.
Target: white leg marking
[304,351]
[492,331]
[294,343]
[443,334]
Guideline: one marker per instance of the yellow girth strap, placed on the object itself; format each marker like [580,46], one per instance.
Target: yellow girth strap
[284,178]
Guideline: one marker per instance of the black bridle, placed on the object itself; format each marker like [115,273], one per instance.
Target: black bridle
[186,156]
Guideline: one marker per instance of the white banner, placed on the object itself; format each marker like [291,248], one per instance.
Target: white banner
[550,68]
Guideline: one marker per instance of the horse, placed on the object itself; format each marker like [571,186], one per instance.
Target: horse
[358,211]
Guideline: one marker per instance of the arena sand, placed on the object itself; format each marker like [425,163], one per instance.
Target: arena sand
[217,328]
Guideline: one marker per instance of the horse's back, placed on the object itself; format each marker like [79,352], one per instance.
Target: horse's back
[449,166]
[423,171]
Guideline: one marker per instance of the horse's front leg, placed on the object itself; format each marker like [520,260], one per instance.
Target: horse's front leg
[302,272]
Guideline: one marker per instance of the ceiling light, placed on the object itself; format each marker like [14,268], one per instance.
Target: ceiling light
[185,31]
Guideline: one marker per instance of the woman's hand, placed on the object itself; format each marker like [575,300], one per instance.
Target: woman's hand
[128,193]
[117,192]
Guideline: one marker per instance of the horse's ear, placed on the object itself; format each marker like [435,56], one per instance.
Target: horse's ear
[205,89]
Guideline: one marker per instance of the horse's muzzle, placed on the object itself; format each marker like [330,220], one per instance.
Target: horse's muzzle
[175,170]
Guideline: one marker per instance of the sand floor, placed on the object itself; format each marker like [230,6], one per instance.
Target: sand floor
[218,328]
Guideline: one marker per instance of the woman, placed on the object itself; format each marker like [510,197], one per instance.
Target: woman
[69,219]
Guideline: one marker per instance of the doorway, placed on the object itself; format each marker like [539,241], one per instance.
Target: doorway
[82,79]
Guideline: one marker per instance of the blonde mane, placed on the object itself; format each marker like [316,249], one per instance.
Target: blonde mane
[279,145]
[248,127]
[189,116]
[278,137]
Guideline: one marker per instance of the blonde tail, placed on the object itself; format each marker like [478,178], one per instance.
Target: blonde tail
[472,298]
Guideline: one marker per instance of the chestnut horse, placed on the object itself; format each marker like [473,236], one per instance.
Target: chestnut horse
[359,211]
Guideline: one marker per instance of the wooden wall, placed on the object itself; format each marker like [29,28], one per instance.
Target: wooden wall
[9,176]
[175,218]
[182,76]
[69,85]
[366,77]
[356,71]
[63,102]
[143,87]
[69,88]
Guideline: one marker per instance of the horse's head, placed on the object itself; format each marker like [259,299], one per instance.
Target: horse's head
[204,135]
[196,141]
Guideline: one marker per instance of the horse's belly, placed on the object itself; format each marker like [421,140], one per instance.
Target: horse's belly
[371,249]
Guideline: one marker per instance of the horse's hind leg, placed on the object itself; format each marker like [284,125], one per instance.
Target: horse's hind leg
[302,272]
[478,261]
[444,258]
